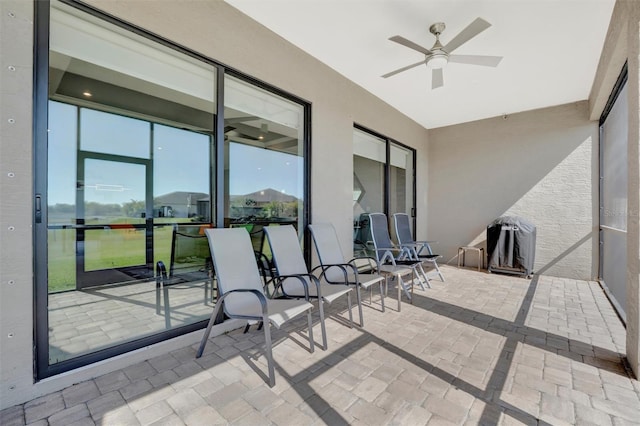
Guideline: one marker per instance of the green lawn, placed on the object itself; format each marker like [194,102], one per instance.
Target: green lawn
[104,249]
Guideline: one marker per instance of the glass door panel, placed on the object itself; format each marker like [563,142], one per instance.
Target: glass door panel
[111,240]
[264,163]
[369,159]
[613,202]
[129,157]
[401,181]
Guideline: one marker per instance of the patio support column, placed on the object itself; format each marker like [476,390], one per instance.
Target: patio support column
[633,220]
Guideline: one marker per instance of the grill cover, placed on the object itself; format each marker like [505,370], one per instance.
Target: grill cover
[511,245]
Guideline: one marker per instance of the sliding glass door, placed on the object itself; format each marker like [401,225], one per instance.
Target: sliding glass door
[613,198]
[383,181]
[140,147]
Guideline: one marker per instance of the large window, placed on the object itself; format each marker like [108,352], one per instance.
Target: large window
[133,164]
[383,181]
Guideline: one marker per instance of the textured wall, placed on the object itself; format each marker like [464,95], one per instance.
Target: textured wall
[540,164]
[16,277]
[633,188]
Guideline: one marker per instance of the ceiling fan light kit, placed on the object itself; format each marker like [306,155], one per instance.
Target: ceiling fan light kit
[437,60]
[439,56]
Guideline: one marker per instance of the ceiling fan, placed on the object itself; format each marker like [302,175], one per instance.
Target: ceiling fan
[438,56]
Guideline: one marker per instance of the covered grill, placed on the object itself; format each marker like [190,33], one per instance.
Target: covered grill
[511,245]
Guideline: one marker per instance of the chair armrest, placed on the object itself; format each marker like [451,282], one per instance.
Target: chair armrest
[370,259]
[341,266]
[260,295]
[299,277]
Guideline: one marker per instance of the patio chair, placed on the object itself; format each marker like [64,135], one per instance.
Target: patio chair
[240,291]
[293,278]
[393,260]
[417,250]
[336,270]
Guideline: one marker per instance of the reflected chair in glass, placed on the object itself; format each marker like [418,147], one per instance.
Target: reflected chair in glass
[189,266]
[240,291]
[417,250]
[293,276]
[393,260]
[361,272]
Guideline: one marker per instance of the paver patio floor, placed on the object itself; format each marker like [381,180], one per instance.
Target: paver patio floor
[478,349]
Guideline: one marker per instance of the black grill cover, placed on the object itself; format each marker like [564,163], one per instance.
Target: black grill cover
[511,245]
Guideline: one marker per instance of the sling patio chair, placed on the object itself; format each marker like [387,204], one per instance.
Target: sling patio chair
[417,250]
[240,290]
[393,260]
[335,268]
[293,278]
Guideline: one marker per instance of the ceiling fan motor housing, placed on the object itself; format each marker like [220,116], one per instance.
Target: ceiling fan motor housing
[437,28]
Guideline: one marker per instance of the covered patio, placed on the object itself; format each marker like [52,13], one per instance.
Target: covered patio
[477,349]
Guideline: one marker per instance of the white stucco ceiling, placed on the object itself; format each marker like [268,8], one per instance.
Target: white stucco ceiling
[551,50]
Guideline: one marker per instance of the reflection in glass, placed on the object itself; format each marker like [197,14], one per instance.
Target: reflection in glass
[113,134]
[401,180]
[129,170]
[264,164]
[369,158]
[181,175]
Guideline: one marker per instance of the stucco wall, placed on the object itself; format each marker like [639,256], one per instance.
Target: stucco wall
[623,44]
[16,295]
[541,165]
[218,31]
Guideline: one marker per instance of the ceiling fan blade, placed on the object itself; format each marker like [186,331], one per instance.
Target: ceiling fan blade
[411,45]
[399,70]
[485,61]
[472,30]
[437,78]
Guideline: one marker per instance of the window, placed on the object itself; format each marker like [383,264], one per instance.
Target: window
[383,181]
[265,160]
[129,162]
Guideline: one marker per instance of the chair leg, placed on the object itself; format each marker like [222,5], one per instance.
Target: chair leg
[426,277]
[310,321]
[399,286]
[421,275]
[207,332]
[350,313]
[322,327]
[402,284]
[383,284]
[438,269]
[269,353]
[359,301]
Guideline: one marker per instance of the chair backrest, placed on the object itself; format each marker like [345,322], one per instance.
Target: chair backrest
[403,228]
[235,265]
[328,248]
[380,235]
[287,255]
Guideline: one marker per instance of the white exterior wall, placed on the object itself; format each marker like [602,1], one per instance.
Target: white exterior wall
[220,32]
[541,165]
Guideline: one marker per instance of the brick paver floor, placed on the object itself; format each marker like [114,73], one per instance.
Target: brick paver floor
[478,349]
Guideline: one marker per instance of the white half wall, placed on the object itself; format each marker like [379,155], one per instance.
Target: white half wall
[541,165]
